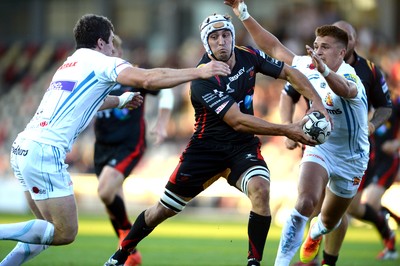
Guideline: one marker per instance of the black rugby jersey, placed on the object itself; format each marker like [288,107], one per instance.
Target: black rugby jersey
[121,125]
[371,76]
[212,98]
[387,131]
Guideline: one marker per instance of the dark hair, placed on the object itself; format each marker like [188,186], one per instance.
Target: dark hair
[90,28]
[333,31]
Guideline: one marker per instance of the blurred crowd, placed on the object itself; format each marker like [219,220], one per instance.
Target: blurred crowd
[25,70]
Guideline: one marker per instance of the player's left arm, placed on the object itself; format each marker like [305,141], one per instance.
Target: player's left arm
[379,96]
[165,105]
[131,100]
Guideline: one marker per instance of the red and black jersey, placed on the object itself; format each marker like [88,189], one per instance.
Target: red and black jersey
[387,131]
[211,98]
[114,126]
[374,82]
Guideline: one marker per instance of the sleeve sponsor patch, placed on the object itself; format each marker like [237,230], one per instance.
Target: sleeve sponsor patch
[351,77]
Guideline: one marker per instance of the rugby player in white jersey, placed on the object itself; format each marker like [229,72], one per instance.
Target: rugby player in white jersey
[78,89]
[337,165]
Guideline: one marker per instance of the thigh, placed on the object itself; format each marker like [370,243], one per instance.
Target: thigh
[200,165]
[61,212]
[373,195]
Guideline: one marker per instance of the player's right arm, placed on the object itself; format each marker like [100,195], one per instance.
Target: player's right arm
[264,39]
[251,124]
[163,78]
[286,110]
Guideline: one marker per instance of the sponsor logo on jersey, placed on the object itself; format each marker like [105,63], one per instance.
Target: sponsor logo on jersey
[329,102]
[237,75]
[62,85]
[37,190]
[66,65]
[328,99]
[221,107]
[18,151]
[219,93]
[229,89]
[43,124]
[351,77]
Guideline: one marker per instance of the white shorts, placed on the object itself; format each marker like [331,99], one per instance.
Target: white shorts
[344,176]
[40,169]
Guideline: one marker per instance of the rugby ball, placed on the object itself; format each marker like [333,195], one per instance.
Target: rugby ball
[317,127]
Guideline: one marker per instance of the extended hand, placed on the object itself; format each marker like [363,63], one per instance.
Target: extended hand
[130,100]
[214,68]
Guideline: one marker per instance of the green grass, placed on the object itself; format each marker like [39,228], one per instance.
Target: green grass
[189,240]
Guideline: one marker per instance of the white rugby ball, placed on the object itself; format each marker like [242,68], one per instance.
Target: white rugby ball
[317,127]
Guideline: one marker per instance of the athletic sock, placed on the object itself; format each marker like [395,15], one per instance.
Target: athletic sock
[319,228]
[379,221]
[21,253]
[138,231]
[118,210]
[329,259]
[32,232]
[291,237]
[257,230]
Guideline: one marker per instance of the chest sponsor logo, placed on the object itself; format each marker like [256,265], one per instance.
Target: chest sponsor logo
[62,85]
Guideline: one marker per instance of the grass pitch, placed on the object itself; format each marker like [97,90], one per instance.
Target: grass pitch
[189,239]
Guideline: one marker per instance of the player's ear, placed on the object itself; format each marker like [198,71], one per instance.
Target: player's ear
[100,43]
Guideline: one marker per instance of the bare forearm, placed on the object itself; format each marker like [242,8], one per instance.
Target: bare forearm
[286,108]
[340,86]
[161,78]
[268,42]
[109,102]
[258,126]
[381,114]
[301,84]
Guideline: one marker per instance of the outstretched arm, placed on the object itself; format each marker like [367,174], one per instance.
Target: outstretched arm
[264,39]
[163,78]
[251,124]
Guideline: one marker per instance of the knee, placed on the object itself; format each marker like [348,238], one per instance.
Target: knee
[306,204]
[105,194]
[258,193]
[65,235]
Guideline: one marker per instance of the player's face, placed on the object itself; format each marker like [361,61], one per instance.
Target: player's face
[221,44]
[330,51]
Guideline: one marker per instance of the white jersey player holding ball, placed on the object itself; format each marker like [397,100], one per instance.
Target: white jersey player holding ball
[337,165]
[79,88]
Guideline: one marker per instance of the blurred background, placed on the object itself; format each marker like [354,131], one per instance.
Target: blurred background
[36,36]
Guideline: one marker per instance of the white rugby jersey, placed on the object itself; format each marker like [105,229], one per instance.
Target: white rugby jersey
[77,90]
[349,138]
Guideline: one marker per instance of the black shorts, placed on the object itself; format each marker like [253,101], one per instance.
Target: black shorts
[382,173]
[123,157]
[203,162]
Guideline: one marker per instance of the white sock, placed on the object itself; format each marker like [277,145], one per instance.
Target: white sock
[32,232]
[319,228]
[291,238]
[22,253]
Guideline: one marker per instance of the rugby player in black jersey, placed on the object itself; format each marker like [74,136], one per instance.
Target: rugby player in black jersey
[224,142]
